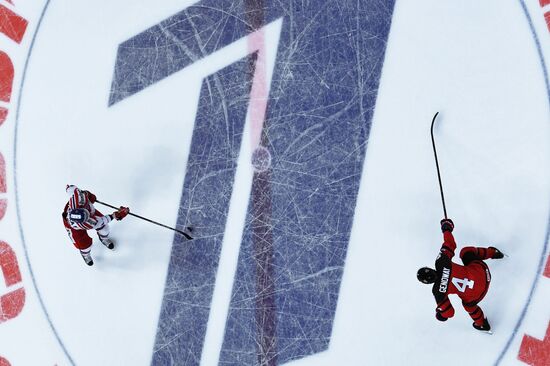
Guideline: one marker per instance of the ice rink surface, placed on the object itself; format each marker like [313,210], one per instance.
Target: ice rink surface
[294,136]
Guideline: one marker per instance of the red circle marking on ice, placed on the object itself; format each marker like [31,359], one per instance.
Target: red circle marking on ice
[11,303]
[535,352]
[547,269]
[12,25]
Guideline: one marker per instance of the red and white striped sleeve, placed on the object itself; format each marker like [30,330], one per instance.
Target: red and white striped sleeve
[80,199]
[100,221]
[77,198]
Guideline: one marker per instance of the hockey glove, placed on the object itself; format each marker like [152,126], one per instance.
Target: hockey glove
[91,196]
[121,213]
[447,225]
[440,317]
[498,254]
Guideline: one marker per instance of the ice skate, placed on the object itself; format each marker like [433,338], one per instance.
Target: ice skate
[87,258]
[485,327]
[498,254]
[106,241]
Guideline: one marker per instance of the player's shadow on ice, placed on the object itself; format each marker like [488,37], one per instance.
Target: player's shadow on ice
[134,250]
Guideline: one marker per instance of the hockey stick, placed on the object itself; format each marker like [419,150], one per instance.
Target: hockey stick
[437,166]
[186,235]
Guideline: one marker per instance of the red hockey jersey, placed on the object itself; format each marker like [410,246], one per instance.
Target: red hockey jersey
[84,199]
[469,281]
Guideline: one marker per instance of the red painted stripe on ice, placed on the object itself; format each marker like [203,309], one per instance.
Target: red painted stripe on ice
[3,187]
[3,207]
[544,2]
[547,18]
[8,265]
[547,269]
[3,183]
[3,361]
[6,77]
[3,115]
[12,25]
[11,304]
[258,94]
[535,352]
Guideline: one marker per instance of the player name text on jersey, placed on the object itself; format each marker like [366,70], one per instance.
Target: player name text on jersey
[444,280]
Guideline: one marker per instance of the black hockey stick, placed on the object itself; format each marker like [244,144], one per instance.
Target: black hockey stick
[437,166]
[186,235]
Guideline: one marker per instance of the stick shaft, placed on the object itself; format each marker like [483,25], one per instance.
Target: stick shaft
[437,166]
[144,218]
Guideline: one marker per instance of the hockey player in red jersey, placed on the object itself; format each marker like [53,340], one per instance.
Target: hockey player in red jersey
[469,281]
[80,215]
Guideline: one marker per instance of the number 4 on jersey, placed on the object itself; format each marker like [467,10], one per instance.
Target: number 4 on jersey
[462,283]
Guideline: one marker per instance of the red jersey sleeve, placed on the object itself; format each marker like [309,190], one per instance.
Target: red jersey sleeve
[91,196]
[445,308]
[449,245]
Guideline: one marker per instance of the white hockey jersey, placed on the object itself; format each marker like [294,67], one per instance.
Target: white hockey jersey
[81,199]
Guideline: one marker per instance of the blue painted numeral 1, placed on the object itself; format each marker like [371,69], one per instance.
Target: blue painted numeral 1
[301,209]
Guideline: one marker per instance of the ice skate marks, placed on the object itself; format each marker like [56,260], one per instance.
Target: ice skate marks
[304,190]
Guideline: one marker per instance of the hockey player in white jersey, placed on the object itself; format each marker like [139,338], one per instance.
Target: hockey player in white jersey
[80,215]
